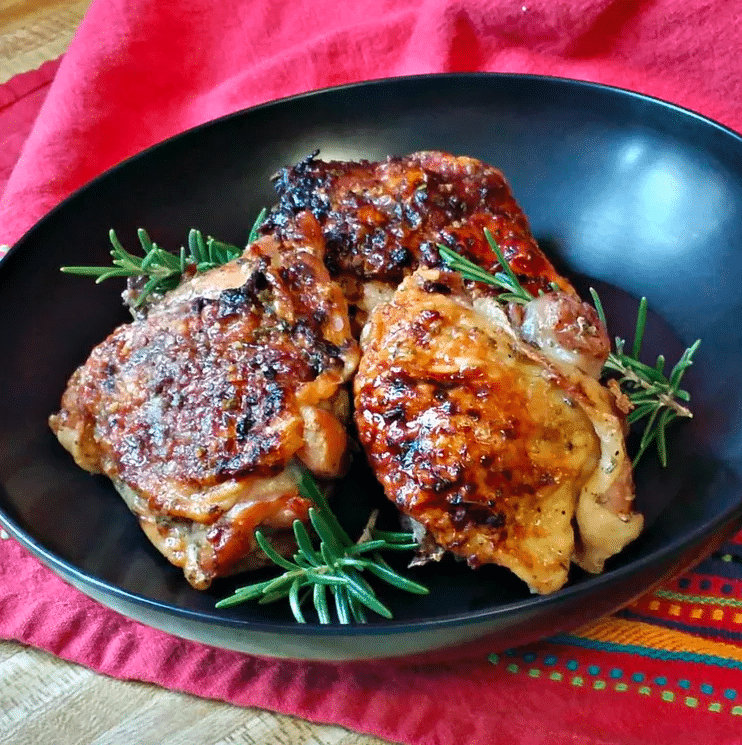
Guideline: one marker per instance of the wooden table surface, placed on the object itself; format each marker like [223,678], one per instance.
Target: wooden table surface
[46,701]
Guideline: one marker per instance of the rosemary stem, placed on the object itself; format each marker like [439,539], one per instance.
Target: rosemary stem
[665,398]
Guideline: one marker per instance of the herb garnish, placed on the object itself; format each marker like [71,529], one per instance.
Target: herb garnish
[506,279]
[656,397]
[653,394]
[163,268]
[337,564]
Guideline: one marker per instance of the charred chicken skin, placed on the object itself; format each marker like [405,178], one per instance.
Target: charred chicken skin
[381,220]
[202,410]
[494,446]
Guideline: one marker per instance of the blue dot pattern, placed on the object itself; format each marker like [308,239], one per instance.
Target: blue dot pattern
[638,677]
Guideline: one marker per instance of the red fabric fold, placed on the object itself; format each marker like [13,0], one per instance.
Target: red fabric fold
[139,71]
[20,101]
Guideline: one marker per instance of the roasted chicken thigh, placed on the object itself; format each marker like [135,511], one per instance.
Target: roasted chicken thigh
[494,446]
[202,410]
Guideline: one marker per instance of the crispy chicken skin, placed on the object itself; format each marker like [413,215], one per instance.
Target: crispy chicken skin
[201,410]
[479,437]
[382,220]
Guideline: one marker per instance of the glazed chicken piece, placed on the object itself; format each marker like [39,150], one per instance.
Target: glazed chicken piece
[203,411]
[491,432]
[383,220]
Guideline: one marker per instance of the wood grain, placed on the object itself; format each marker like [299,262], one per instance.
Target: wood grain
[34,31]
[46,701]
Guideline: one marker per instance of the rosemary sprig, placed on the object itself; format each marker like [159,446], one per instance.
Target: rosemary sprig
[656,398]
[162,268]
[337,564]
[506,280]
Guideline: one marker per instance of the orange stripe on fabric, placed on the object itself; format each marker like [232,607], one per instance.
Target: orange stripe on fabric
[619,631]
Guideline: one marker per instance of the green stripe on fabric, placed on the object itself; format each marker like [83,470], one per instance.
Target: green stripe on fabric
[656,654]
[669,595]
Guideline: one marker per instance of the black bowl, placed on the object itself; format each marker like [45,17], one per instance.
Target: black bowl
[640,196]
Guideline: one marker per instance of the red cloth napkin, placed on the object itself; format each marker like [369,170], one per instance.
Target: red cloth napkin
[139,71]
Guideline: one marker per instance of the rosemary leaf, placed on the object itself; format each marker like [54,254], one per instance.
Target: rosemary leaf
[381,569]
[598,306]
[94,271]
[319,598]
[329,557]
[324,531]
[309,490]
[282,583]
[341,604]
[506,279]
[357,610]
[274,597]
[254,231]
[366,547]
[650,431]
[243,595]
[520,294]
[294,601]
[271,552]
[640,412]
[321,578]
[661,442]
[302,561]
[390,536]
[304,543]
[359,590]
[641,321]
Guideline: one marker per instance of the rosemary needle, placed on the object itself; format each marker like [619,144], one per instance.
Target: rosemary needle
[337,563]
